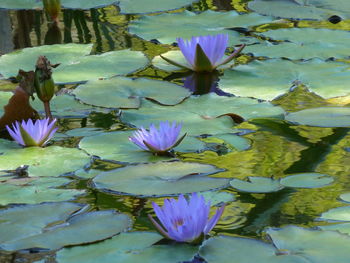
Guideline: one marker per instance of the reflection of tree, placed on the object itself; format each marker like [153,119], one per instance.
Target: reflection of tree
[6,44]
[23,26]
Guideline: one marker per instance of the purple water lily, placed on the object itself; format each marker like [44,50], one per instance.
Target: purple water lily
[158,141]
[185,221]
[31,133]
[204,53]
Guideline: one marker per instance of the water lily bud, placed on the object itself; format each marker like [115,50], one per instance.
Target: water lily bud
[43,82]
[52,7]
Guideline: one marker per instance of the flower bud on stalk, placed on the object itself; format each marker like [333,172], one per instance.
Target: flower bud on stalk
[43,83]
[52,8]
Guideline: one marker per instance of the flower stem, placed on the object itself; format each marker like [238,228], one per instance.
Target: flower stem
[47,110]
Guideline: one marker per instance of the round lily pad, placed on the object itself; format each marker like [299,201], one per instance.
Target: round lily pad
[36,190]
[48,161]
[162,179]
[131,247]
[115,146]
[342,228]
[266,80]
[236,142]
[313,245]
[298,9]
[204,114]
[256,184]
[304,43]
[83,132]
[14,226]
[216,197]
[345,197]
[105,65]
[188,24]
[226,249]
[337,214]
[65,106]
[26,58]
[123,92]
[307,180]
[322,117]
[78,229]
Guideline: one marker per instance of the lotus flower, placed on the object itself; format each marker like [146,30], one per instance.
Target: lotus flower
[158,141]
[204,53]
[185,221]
[31,133]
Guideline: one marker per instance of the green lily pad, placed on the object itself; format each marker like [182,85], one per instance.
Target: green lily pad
[26,58]
[304,43]
[236,142]
[48,161]
[134,247]
[313,245]
[105,65]
[65,106]
[78,229]
[337,214]
[226,249]
[202,114]
[21,4]
[162,179]
[256,184]
[83,132]
[307,180]
[188,24]
[297,9]
[86,4]
[342,228]
[38,190]
[345,197]
[216,197]
[115,146]
[4,98]
[14,226]
[321,117]
[151,6]
[265,80]
[123,92]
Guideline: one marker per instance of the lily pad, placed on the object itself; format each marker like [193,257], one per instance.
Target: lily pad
[337,214]
[304,43]
[123,92]
[238,143]
[297,9]
[345,197]
[4,98]
[217,198]
[313,245]
[65,106]
[48,161]
[115,146]
[134,247]
[226,249]
[322,117]
[307,180]
[204,114]
[256,184]
[342,228]
[87,4]
[188,24]
[83,132]
[78,229]
[26,58]
[14,226]
[38,190]
[266,80]
[162,179]
[105,65]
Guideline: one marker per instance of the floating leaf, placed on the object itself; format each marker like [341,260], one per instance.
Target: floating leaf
[206,114]
[256,184]
[345,197]
[307,180]
[342,228]
[78,229]
[123,92]
[304,43]
[217,198]
[25,59]
[266,80]
[337,214]
[188,24]
[116,146]
[48,161]
[131,247]
[162,179]
[38,190]
[226,249]
[321,117]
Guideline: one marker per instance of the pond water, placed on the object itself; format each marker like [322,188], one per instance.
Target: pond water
[270,140]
